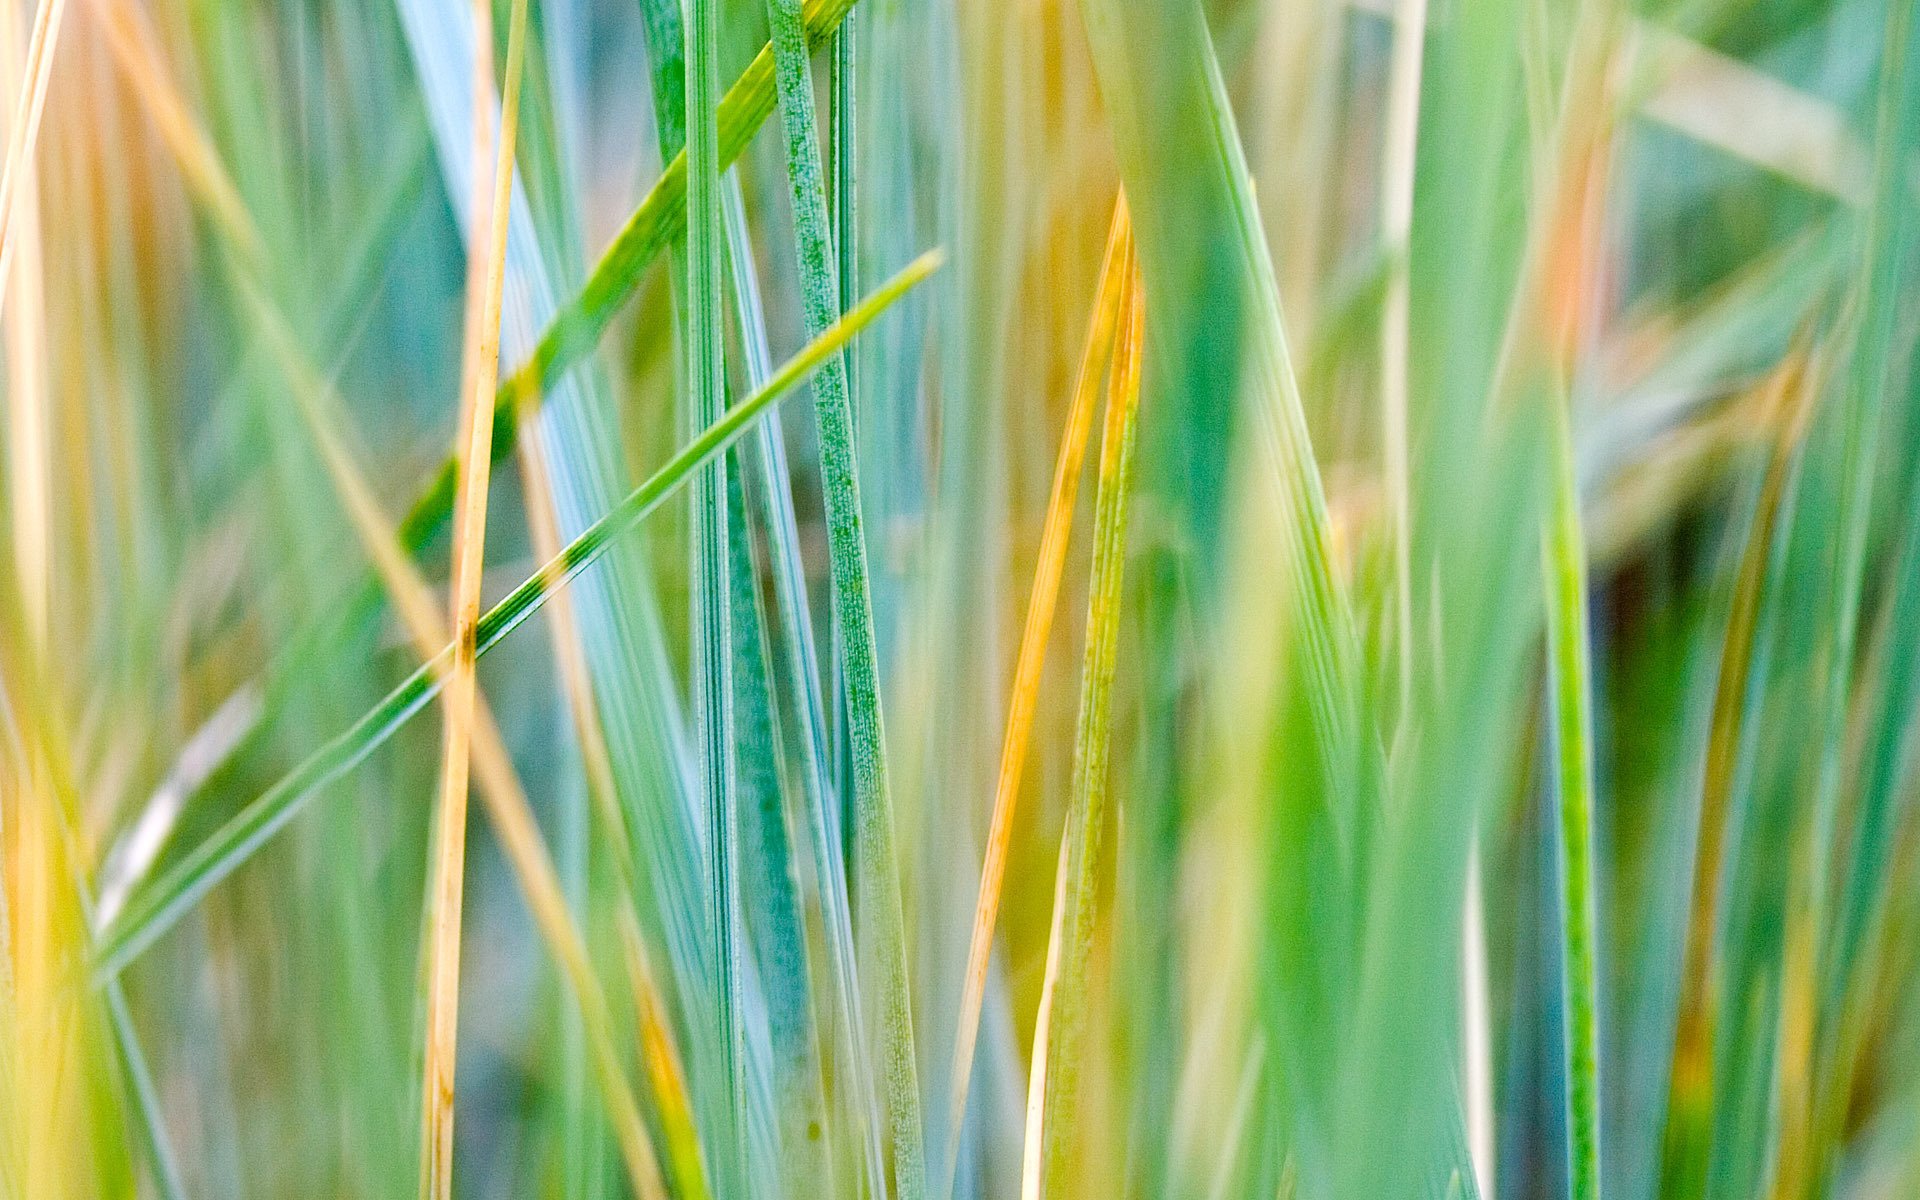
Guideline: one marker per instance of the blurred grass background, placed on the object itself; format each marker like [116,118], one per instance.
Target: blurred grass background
[1190,598]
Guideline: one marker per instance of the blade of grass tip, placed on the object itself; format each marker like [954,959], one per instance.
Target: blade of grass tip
[1396,224]
[153,909]
[24,131]
[799,123]
[1031,1157]
[1565,565]
[487,263]
[1110,300]
[660,217]
[879,898]
[712,668]
[1091,740]
[1691,1073]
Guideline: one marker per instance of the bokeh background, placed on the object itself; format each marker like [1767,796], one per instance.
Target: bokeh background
[1353,639]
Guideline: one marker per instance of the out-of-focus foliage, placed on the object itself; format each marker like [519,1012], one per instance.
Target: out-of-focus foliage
[1354,640]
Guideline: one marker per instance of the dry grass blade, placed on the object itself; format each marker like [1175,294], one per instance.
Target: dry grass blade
[478,373]
[1110,297]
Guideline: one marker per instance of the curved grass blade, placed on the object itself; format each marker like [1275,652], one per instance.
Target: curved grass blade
[1565,564]
[1091,745]
[154,908]
[1111,299]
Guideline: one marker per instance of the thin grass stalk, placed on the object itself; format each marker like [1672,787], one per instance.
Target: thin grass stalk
[1091,746]
[843,215]
[664,1069]
[1565,565]
[712,615]
[794,1019]
[801,660]
[879,897]
[487,261]
[1111,299]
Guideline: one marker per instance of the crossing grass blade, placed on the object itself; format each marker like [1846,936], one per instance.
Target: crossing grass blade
[660,217]
[152,909]
[487,274]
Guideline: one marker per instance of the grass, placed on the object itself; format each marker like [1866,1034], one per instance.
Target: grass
[1478,762]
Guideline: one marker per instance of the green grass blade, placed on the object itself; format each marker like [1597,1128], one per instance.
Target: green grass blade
[154,908]
[879,883]
[1565,565]
[797,1044]
[706,384]
[661,216]
[1074,999]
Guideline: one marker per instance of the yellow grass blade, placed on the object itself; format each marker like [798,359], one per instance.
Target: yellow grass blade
[481,366]
[1109,300]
